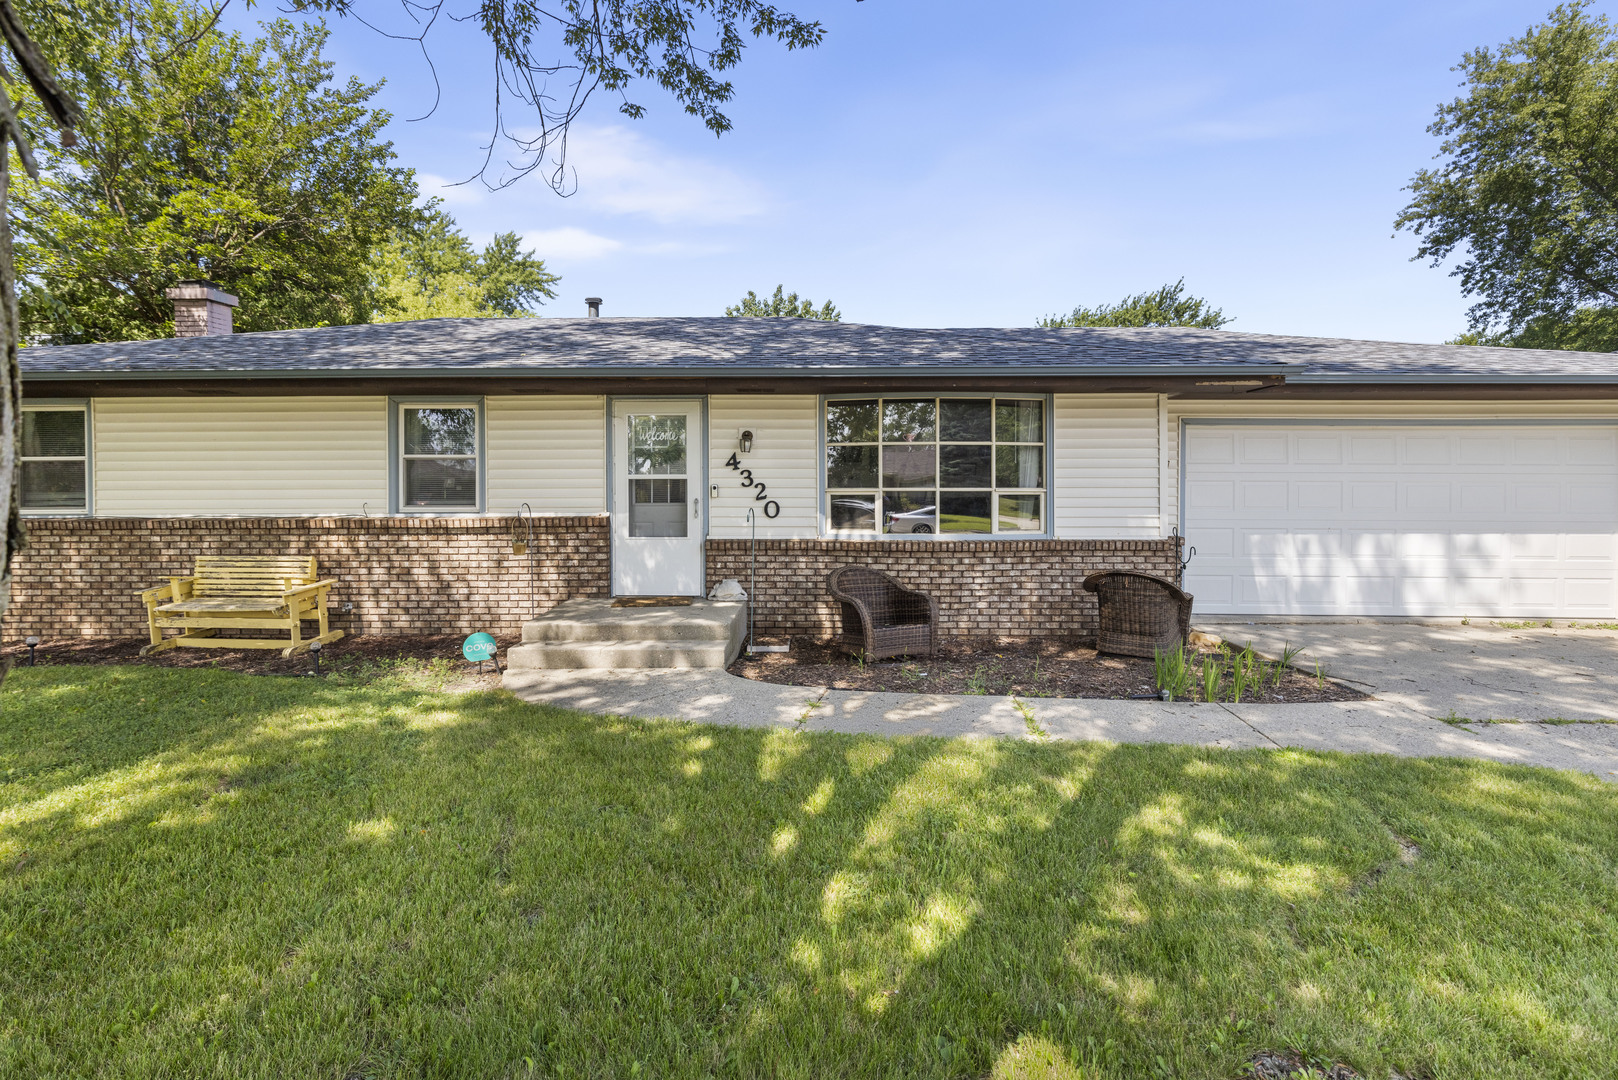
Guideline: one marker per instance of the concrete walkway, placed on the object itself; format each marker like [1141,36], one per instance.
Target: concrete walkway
[717,697]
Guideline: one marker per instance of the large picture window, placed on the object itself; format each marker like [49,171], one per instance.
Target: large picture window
[936,465]
[438,466]
[55,460]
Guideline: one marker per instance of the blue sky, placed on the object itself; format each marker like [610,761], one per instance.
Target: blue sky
[953,164]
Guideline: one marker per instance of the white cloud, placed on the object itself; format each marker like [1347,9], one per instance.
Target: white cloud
[622,172]
[452,192]
[569,243]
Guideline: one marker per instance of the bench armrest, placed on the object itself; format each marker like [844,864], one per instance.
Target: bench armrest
[325,583]
[163,593]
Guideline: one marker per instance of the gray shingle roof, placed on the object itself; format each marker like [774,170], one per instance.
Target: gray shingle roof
[720,346]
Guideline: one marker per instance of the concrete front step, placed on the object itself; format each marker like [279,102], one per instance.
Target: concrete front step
[598,620]
[620,655]
[594,634]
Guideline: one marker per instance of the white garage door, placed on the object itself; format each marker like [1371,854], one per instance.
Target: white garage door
[1489,520]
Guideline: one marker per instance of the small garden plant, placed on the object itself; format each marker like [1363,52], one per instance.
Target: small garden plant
[1224,674]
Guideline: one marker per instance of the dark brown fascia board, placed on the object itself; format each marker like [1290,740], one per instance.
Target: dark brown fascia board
[1458,390]
[90,387]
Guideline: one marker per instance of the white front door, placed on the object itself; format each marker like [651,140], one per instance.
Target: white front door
[658,449]
[1492,519]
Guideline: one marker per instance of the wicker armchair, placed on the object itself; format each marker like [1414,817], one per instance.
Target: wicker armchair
[1140,614]
[882,618]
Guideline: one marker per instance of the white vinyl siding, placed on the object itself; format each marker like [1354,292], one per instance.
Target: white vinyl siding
[225,456]
[549,451]
[1106,484]
[785,458]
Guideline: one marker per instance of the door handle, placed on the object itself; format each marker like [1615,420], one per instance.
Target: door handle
[696,508]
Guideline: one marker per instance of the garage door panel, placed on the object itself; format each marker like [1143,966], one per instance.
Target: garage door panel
[1588,547]
[1426,450]
[1535,450]
[1482,450]
[1518,520]
[1372,449]
[1318,495]
[1427,498]
[1265,449]
[1370,497]
[1592,500]
[1592,450]
[1537,499]
[1264,495]
[1483,498]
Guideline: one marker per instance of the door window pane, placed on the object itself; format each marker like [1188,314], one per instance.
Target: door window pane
[965,466]
[441,483]
[850,466]
[909,466]
[441,431]
[1019,421]
[1020,513]
[658,508]
[910,512]
[657,446]
[965,420]
[52,433]
[851,421]
[909,421]
[1019,466]
[964,512]
[853,511]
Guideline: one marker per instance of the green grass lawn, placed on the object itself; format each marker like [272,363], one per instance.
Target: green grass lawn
[205,873]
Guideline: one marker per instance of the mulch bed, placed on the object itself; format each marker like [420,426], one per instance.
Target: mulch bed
[1039,668]
[361,654]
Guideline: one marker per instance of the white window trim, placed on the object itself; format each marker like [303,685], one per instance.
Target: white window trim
[396,455]
[65,405]
[1047,493]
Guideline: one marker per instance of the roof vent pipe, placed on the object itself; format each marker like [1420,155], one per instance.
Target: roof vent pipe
[201,309]
[594,305]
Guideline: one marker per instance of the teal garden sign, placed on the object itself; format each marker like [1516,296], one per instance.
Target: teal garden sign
[480,647]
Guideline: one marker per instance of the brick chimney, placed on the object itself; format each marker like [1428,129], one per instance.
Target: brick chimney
[200,309]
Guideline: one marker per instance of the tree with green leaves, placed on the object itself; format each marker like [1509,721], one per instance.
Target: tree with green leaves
[783,305]
[430,270]
[205,155]
[1167,306]
[1527,192]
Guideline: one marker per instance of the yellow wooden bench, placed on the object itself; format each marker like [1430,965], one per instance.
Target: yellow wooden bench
[240,592]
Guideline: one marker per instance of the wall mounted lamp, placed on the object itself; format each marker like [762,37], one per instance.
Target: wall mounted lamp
[746,442]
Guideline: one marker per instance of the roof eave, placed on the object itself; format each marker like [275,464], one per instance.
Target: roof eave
[1448,378]
[1223,372]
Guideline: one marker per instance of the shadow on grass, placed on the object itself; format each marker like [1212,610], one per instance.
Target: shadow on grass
[205,873]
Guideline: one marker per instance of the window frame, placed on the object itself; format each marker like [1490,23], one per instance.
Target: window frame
[82,405]
[396,455]
[1047,492]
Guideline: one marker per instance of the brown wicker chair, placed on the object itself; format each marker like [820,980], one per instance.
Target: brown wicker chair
[1140,614]
[882,618]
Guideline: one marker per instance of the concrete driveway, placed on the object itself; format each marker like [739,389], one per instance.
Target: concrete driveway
[1482,671]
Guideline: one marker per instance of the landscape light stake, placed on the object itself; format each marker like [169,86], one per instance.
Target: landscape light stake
[32,643]
[314,651]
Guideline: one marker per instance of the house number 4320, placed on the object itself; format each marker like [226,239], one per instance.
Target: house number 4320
[772,508]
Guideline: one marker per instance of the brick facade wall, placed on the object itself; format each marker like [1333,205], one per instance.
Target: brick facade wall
[78,576]
[985,588]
